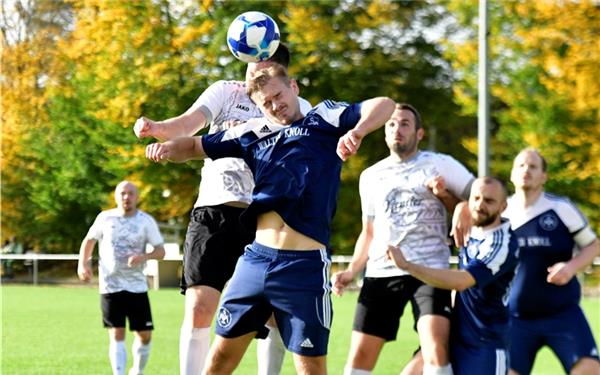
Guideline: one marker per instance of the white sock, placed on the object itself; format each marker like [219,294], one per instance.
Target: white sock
[193,350]
[435,370]
[270,352]
[354,371]
[117,353]
[140,353]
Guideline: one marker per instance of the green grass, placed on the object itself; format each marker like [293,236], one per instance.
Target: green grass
[58,330]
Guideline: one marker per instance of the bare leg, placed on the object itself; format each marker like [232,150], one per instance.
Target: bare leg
[117,353]
[226,353]
[201,303]
[140,350]
[310,365]
[270,351]
[414,366]
[586,366]
[364,351]
[434,334]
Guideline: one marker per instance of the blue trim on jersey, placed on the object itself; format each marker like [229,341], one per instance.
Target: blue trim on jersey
[296,169]
[541,247]
[481,314]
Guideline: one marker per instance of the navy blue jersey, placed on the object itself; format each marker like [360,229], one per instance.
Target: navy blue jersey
[481,311]
[296,168]
[547,233]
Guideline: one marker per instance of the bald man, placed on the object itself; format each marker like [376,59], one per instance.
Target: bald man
[479,324]
[123,233]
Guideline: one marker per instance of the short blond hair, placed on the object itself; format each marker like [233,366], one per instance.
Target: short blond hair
[262,77]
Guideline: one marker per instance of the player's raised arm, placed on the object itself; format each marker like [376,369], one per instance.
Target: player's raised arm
[177,150]
[373,114]
[184,125]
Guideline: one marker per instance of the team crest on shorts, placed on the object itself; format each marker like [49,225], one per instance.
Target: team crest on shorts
[224,317]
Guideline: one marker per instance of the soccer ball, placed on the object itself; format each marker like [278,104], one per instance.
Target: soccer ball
[253,37]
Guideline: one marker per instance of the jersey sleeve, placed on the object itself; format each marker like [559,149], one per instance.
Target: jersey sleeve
[153,236]
[366,201]
[577,223]
[95,231]
[222,144]
[491,258]
[212,100]
[457,177]
[341,115]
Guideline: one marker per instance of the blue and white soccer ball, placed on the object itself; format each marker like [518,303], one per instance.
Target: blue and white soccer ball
[253,37]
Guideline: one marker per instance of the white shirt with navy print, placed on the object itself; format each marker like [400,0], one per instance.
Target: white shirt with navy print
[405,213]
[119,238]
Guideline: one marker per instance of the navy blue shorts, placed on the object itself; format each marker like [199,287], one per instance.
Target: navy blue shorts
[294,285]
[119,306]
[568,334]
[478,359]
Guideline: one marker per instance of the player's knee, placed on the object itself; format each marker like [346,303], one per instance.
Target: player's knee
[144,337]
[586,366]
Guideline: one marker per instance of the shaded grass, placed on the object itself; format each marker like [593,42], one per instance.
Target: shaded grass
[58,330]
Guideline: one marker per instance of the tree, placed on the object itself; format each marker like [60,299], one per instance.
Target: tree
[544,58]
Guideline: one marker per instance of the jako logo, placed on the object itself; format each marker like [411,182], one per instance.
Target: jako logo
[242,107]
[224,318]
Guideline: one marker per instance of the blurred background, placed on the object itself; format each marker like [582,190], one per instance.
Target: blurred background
[77,74]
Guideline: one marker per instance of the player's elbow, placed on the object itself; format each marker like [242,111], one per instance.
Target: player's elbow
[465,281]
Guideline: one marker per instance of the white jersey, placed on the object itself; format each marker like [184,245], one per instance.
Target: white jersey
[404,211]
[119,238]
[228,179]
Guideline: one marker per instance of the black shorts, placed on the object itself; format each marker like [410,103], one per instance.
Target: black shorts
[214,241]
[120,305]
[382,300]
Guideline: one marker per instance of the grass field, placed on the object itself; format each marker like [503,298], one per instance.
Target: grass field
[58,331]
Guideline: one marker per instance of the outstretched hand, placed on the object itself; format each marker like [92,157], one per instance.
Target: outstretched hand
[144,127]
[340,280]
[348,144]
[559,274]
[158,152]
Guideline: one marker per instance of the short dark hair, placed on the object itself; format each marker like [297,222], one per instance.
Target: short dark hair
[262,77]
[408,107]
[493,179]
[281,56]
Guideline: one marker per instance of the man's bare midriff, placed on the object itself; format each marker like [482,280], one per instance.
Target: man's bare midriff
[273,232]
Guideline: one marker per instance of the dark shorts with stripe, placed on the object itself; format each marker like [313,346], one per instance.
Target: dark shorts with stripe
[567,333]
[293,285]
[214,241]
[382,300]
[119,306]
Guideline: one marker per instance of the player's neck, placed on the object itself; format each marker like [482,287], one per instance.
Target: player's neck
[528,197]
[404,156]
[127,213]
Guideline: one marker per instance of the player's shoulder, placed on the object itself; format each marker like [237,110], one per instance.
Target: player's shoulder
[557,201]
[437,157]
[379,166]
[227,86]
[144,216]
[329,110]
[106,214]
